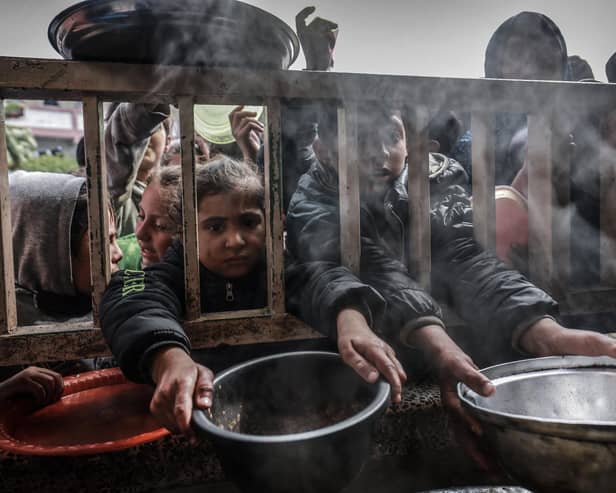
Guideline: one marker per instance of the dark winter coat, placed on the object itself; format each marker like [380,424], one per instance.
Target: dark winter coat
[498,301]
[141,310]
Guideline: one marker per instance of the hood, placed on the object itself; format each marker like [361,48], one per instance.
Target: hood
[42,208]
[525,24]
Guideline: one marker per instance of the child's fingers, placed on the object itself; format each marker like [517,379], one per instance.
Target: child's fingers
[182,409]
[356,361]
[250,125]
[204,389]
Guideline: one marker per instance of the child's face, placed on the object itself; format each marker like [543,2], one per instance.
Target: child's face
[154,229]
[382,153]
[231,234]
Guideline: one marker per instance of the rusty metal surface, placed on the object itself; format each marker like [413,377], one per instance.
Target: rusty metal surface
[66,80]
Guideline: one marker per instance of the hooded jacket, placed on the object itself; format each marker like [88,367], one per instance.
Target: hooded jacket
[525,25]
[496,300]
[142,309]
[42,209]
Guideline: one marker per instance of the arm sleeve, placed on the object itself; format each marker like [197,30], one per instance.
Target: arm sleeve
[140,313]
[496,300]
[384,292]
[126,138]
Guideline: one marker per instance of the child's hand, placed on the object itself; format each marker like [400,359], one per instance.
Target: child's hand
[318,40]
[41,385]
[547,337]
[180,384]
[247,131]
[453,365]
[366,353]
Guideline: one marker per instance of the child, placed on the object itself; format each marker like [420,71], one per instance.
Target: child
[50,235]
[141,310]
[159,220]
[498,302]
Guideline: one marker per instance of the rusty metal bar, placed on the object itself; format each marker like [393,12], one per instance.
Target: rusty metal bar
[189,207]
[31,78]
[419,255]
[273,208]
[71,341]
[608,224]
[8,312]
[98,201]
[540,201]
[484,209]
[348,188]
[561,156]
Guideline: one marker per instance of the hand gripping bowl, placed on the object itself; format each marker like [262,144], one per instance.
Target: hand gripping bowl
[209,33]
[552,422]
[292,422]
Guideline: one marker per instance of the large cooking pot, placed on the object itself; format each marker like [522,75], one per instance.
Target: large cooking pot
[297,422]
[210,33]
[552,422]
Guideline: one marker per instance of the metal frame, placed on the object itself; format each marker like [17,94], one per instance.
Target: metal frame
[94,83]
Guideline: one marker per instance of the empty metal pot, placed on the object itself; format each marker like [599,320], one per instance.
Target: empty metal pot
[552,422]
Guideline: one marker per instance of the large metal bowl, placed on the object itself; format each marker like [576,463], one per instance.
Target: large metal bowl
[292,452]
[552,422]
[209,33]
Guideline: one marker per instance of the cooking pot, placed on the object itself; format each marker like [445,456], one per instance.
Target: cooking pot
[552,422]
[293,422]
[210,33]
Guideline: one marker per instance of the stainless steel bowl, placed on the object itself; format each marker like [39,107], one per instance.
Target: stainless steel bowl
[552,422]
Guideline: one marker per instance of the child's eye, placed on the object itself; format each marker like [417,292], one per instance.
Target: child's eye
[215,227]
[161,227]
[251,222]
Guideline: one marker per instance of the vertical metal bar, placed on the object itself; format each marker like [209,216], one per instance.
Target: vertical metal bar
[8,313]
[419,255]
[273,207]
[189,205]
[561,221]
[348,188]
[484,209]
[607,212]
[98,208]
[540,201]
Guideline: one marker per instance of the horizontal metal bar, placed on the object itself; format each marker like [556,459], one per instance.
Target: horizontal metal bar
[65,79]
[73,341]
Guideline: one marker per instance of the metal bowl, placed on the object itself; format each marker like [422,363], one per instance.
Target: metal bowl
[262,427]
[209,33]
[552,422]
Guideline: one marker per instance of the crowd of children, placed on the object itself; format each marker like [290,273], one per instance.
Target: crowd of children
[369,315]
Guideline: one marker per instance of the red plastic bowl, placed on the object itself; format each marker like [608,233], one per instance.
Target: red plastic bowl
[100,411]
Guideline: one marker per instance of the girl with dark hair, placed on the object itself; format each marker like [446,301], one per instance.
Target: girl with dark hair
[141,310]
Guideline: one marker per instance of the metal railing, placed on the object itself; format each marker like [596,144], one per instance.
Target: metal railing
[94,83]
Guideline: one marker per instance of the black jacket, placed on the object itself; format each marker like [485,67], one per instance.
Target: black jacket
[141,310]
[493,298]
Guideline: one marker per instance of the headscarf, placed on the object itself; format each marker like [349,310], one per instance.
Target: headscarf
[42,209]
[526,25]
